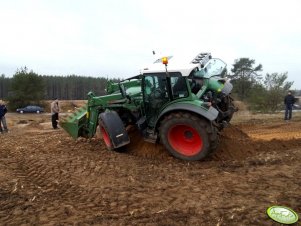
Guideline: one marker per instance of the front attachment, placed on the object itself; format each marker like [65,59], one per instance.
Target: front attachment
[113,130]
[74,124]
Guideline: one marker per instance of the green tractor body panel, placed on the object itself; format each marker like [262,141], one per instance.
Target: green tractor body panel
[114,87]
[83,122]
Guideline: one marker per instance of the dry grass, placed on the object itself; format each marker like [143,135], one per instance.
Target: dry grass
[244,116]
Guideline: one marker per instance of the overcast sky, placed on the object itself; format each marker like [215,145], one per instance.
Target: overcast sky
[116,37]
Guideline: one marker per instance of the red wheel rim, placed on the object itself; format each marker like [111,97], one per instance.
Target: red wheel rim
[105,137]
[185,140]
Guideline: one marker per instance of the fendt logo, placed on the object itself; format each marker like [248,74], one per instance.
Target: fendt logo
[282,214]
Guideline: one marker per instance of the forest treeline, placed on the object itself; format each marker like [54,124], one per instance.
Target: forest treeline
[71,87]
[262,93]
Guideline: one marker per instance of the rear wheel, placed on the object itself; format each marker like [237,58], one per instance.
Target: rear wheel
[186,136]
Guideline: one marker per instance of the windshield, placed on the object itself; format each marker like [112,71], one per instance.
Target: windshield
[214,67]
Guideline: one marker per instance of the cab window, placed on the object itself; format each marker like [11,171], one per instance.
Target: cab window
[179,87]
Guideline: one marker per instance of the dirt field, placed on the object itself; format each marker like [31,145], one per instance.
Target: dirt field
[46,178]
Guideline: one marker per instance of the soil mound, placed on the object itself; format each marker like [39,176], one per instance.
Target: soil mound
[234,144]
[237,145]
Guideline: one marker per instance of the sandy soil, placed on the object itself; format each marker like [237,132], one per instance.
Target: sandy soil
[46,178]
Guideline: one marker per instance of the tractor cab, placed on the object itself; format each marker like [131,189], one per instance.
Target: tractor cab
[159,89]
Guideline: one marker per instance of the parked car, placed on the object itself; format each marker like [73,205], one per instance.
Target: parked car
[30,109]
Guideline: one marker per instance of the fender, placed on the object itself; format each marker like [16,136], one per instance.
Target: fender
[210,114]
[115,128]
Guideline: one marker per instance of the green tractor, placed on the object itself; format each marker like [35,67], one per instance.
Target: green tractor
[183,106]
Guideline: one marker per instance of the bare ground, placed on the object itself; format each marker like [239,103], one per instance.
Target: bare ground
[46,178]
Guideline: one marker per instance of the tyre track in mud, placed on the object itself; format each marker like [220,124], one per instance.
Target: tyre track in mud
[73,177]
[47,177]
[51,179]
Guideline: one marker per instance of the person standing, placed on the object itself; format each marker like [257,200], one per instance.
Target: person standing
[3,111]
[55,109]
[289,101]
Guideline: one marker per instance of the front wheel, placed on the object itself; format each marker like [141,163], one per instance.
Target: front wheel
[105,136]
[185,136]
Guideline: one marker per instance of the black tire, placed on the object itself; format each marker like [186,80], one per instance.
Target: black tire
[214,139]
[226,105]
[187,136]
[231,106]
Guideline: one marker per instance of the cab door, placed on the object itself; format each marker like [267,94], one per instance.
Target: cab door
[155,95]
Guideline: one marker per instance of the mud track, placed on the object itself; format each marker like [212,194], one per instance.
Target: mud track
[46,178]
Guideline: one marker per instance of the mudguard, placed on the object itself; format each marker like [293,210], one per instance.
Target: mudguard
[210,114]
[115,128]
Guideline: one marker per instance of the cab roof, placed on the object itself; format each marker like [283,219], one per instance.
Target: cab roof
[178,64]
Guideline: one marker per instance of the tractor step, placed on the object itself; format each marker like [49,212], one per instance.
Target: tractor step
[150,137]
[150,140]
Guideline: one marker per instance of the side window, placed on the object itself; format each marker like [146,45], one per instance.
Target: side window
[155,86]
[149,85]
[179,87]
[155,95]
